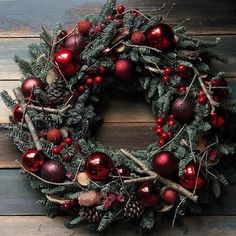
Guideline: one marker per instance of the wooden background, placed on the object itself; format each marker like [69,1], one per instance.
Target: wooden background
[128,122]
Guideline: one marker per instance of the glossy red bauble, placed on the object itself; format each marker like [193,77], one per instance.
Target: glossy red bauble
[218,118]
[171,123]
[29,85]
[90,82]
[56,150]
[165,163]
[160,36]
[158,130]
[161,142]
[160,120]
[54,136]
[101,70]
[138,38]
[181,89]
[166,79]
[67,61]
[84,26]
[189,178]
[98,166]
[75,43]
[68,141]
[53,171]
[124,69]
[170,196]
[120,9]
[98,79]
[81,88]
[17,114]
[168,71]
[33,160]
[121,170]
[147,194]
[164,135]
[182,109]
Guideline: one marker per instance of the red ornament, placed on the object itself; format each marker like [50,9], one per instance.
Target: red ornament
[171,123]
[17,114]
[182,109]
[138,38]
[84,26]
[182,71]
[202,99]
[170,196]
[53,171]
[158,130]
[110,17]
[81,88]
[160,36]
[166,79]
[56,150]
[101,70]
[218,118]
[66,206]
[68,141]
[33,160]
[90,82]
[148,195]
[70,176]
[29,85]
[54,136]
[75,43]
[160,120]
[189,178]
[120,9]
[121,170]
[67,62]
[98,166]
[165,163]
[124,69]
[168,71]
[98,79]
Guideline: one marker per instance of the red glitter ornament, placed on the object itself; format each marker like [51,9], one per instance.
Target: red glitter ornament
[17,114]
[33,160]
[147,194]
[84,26]
[124,69]
[138,38]
[189,178]
[218,118]
[54,136]
[170,196]
[28,86]
[160,36]
[165,163]
[98,166]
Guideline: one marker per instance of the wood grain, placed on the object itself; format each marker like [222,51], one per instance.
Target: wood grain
[20,18]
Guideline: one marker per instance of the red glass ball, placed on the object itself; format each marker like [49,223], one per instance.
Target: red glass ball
[75,43]
[171,123]
[147,194]
[81,88]
[29,84]
[124,69]
[165,163]
[67,62]
[121,170]
[182,69]
[120,9]
[110,17]
[189,178]
[67,158]
[182,109]
[33,160]
[202,99]
[17,114]
[98,166]
[53,171]
[170,196]
[54,136]
[160,36]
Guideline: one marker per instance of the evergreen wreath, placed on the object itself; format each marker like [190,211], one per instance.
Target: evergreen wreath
[127,51]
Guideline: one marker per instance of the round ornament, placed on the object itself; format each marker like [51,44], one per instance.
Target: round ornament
[17,114]
[75,43]
[170,196]
[29,85]
[54,136]
[124,69]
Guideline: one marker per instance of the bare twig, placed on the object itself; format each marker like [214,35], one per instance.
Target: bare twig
[168,13]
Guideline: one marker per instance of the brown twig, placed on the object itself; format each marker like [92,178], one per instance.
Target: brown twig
[152,176]
[139,46]
[168,13]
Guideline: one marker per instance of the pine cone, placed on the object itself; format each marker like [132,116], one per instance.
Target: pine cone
[56,91]
[90,214]
[133,209]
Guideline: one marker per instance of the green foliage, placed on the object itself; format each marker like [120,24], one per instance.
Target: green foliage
[106,220]
[7,99]
[147,221]
[106,10]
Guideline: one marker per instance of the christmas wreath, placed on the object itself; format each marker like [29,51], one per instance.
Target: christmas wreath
[128,51]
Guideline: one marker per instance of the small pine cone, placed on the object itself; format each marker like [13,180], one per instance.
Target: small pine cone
[133,209]
[90,214]
[56,91]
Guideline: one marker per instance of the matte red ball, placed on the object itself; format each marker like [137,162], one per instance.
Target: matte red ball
[17,114]
[54,136]
[75,43]
[148,194]
[98,166]
[121,170]
[84,26]
[189,178]
[170,196]
[124,69]
[53,171]
[67,61]
[182,109]
[29,84]
[165,163]
[33,160]
[138,38]
[160,36]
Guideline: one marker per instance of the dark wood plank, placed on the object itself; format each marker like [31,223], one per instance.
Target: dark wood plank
[25,18]
[43,226]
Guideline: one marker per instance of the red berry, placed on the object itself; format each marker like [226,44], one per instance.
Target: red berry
[110,17]
[158,130]
[171,135]
[98,79]
[216,98]
[56,150]
[120,9]
[101,70]
[84,26]
[201,93]
[119,21]
[166,79]
[89,82]
[171,123]
[181,89]
[161,142]
[164,135]
[73,202]
[202,99]
[98,29]
[67,158]
[82,88]
[170,117]
[168,71]
[170,196]
[66,206]
[160,120]
[135,13]
[68,140]
[182,69]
